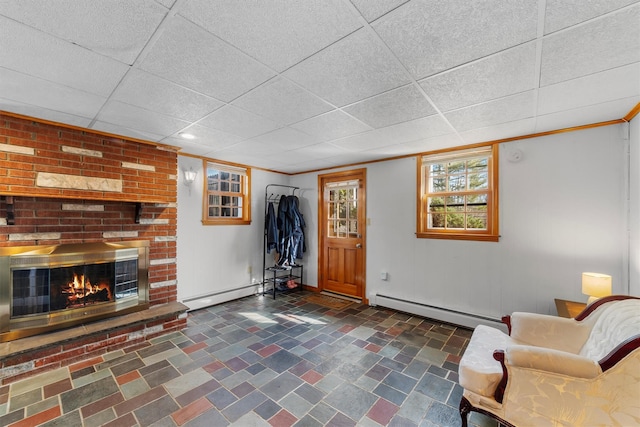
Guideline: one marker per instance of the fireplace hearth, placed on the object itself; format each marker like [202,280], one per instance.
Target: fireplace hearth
[43,288]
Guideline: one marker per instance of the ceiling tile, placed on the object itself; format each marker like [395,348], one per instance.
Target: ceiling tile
[500,131]
[396,106]
[166,3]
[124,131]
[283,102]
[353,158]
[561,14]
[42,113]
[246,25]
[258,162]
[505,73]
[238,122]
[188,55]
[211,138]
[404,132]
[189,146]
[122,31]
[374,9]
[129,116]
[609,42]
[332,125]
[352,69]
[274,142]
[312,165]
[153,93]
[612,110]
[55,60]
[596,88]
[431,36]
[419,146]
[503,110]
[309,153]
[30,90]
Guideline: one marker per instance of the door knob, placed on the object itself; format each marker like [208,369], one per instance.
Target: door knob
[359,245]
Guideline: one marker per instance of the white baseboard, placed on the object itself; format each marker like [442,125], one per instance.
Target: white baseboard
[207,300]
[468,320]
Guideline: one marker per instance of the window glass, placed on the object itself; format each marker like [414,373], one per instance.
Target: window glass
[227,198]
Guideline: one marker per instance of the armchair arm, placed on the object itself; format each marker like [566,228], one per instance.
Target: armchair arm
[549,360]
[552,332]
[620,352]
[543,359]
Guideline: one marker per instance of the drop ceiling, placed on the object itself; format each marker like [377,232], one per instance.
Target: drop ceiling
[293,86]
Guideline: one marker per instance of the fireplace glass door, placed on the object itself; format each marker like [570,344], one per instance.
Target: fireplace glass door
[40,290]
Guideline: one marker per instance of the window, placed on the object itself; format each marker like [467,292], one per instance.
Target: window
[227,195]
[459,194]
[343,209]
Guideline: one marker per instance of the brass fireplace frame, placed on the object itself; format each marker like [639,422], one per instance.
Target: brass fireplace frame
[14,257]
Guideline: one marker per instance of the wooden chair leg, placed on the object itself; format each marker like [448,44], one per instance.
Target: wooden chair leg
[465,408]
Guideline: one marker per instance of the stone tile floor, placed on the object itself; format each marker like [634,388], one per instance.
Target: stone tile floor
[261,362]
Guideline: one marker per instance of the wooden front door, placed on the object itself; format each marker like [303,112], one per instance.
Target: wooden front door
[342,233]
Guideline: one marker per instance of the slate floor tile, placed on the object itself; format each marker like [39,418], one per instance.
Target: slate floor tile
[351,400]
[244,405]
[441,414]
[267,409]
[221,398]
[81,396]
[161,376]
[25,399]
[364,366]
[400,382]
[391,394]
[281,386]
[281,360]
[434,387]
[209,419]
[156,410]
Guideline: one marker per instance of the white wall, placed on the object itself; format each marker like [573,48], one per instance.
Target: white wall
[563,210]
[215,261]
[634,211]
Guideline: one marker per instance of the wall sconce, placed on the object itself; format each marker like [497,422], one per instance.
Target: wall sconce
[596,285]
[190,176]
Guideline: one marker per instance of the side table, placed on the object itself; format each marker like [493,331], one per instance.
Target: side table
[569,309]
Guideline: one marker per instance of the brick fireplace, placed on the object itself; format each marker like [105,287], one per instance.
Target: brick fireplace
[64,186]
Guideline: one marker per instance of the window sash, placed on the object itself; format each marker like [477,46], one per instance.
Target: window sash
[226,191]
[458,203]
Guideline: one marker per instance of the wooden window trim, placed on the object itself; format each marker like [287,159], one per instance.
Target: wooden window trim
[245,194]
[491,234]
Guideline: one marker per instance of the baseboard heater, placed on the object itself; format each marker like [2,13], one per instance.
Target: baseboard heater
[447,315]
[206,300]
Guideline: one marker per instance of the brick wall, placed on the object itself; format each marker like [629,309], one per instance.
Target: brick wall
[44,159]
[72,185]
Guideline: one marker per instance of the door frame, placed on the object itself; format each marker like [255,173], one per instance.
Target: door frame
[361,175]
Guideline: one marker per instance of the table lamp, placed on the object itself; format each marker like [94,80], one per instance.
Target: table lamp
[596,285]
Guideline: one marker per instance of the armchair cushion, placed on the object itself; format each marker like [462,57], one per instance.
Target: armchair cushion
[549,360]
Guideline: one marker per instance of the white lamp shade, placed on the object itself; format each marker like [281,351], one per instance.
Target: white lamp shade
[596,284]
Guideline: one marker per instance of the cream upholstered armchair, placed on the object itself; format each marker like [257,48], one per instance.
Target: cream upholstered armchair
[553,371]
